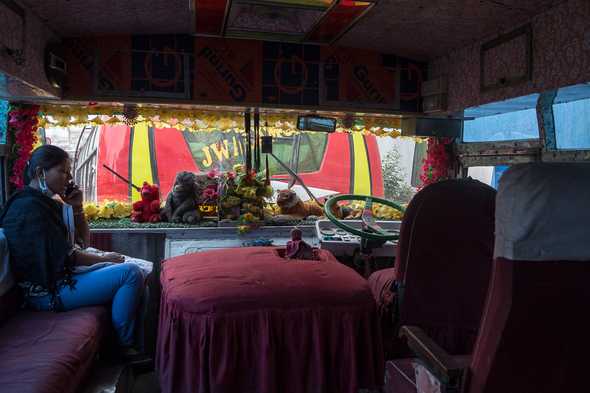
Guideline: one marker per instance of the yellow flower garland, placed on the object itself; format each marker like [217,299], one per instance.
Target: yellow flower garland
[200,121]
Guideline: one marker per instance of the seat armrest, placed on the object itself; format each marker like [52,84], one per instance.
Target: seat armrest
[449,369]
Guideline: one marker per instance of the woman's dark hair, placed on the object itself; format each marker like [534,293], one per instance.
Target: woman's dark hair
[45,157]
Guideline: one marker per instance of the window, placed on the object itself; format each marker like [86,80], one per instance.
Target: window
[572,124]
[216,150]
[508,120]
[502,127]
[336,163]
[311,151]
[489,175]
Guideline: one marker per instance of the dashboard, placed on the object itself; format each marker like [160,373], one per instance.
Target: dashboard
[342,243]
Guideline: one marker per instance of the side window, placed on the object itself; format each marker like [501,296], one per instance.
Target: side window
[509,120]
[572,124]
[418,162]
[509,126]
[489,175]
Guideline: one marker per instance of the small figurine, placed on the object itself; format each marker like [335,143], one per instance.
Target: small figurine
[148,208]
[297,248]
[181,204]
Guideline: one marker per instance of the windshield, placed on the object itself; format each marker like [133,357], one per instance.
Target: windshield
[337,163]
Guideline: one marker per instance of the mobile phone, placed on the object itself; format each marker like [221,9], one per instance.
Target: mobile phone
[70,188]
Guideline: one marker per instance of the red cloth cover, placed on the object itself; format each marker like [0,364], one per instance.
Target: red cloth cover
[46,352]
[246,320]
[534,334]
[443,265]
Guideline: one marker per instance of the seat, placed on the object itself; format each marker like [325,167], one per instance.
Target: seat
[248,320]
[44,352]
[444,252]
[534,332]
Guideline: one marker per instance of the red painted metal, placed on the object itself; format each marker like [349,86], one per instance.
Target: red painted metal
[337,20]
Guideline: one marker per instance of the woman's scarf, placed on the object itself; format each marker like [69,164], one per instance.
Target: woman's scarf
[38,241]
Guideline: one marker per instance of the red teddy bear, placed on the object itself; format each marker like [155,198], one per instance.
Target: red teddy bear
[148,209]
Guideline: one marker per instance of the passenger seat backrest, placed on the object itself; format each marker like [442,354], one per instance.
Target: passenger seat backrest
[446,259]
[534,333]
[6,280]
[9,299]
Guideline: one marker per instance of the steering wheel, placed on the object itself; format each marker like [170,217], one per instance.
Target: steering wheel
[370,229]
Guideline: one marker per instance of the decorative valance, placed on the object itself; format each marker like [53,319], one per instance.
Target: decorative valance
[199,120]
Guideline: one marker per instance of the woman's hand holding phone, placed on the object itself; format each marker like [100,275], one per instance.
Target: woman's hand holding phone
[73,196]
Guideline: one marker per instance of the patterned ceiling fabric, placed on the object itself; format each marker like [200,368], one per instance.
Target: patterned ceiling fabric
[435,26]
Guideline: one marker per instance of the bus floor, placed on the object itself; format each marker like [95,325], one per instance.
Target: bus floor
[108,376]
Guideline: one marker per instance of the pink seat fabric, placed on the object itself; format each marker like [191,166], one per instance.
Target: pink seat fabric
[443,266]
[248,320]
[46,352]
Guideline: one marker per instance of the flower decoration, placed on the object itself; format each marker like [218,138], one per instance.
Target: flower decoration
[91,211]
[436,163]
[107,210]
[278,124]
[22,131]
[210,194]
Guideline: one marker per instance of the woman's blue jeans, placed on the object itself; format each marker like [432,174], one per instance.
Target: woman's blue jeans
[122,284]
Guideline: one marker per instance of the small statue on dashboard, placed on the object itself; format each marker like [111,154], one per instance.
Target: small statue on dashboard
[297,248]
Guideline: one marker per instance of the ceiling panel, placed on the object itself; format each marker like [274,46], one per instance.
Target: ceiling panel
[271,19]
[420,29]
[91,17]
[425,29]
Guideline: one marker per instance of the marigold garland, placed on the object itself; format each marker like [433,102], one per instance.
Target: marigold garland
[436,163]
[22,131]
[275,124]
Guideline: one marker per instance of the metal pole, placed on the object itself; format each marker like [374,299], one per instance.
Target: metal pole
[257,141]
[248,141]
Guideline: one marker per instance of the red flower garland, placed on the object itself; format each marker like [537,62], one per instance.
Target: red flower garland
[436,163]
[22,128]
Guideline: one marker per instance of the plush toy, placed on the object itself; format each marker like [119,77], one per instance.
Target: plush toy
[293,207]
[341,212]
[148,209]
[181,203]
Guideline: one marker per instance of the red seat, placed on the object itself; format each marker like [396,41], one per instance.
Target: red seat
[444,252]
[46,352]
[534,333]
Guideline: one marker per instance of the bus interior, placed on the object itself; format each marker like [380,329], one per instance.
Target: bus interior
[330,196]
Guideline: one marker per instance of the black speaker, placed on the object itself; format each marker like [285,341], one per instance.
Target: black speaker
[266,146]
[55,65]
[429,126]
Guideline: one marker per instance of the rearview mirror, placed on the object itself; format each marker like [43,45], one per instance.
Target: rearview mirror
[316,123]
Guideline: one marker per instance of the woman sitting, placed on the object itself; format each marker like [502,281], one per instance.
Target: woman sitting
[54,273]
